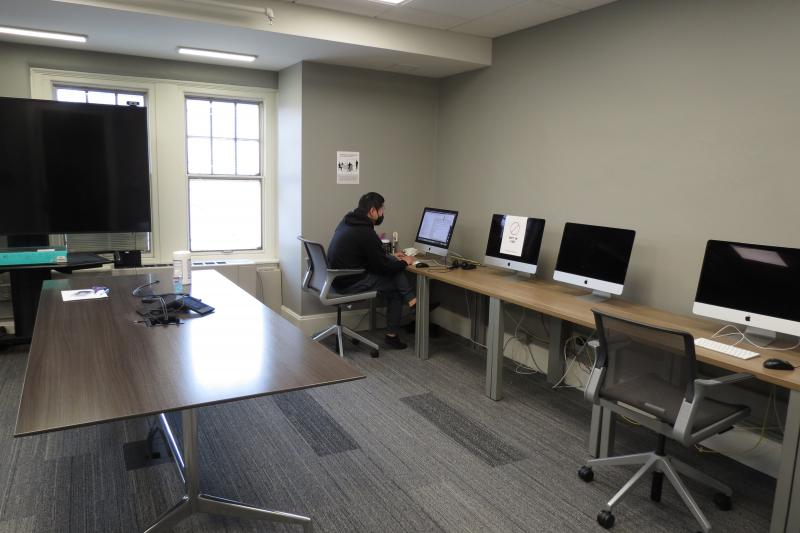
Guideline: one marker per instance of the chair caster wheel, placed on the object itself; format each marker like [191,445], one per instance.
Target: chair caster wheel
[586,473]
[374,353]
[605,519]
[722,501]
[355,342]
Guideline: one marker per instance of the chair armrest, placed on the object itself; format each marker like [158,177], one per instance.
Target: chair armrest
[722,380]
[684,425]
[339,272]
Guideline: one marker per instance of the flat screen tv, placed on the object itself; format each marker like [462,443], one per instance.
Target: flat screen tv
[73,168]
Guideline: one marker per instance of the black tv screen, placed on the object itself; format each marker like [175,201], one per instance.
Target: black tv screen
[73,168]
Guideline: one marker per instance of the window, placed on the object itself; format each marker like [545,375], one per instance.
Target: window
[103,242]
[224,167]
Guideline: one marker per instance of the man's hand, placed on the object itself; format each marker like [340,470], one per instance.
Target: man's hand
[407,258]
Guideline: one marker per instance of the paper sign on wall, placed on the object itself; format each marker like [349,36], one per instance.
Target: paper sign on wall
[513,235]
[347,164]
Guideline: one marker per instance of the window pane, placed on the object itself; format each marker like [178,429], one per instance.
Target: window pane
[224,156]
[198,118]
[198,155]
[224,214]
[126,99]
[71,95]
[102,97]
[222,119]
[247,121]
[247,158]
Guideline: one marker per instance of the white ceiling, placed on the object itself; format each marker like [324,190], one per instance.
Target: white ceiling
[433,38]
[486,18]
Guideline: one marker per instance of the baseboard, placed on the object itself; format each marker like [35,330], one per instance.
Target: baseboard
[355,319]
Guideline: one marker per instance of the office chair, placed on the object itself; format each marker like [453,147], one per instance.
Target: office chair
[319,278]
[648,375]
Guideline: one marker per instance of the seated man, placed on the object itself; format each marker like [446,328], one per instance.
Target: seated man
[356,245]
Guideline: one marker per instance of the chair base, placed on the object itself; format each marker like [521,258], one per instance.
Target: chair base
[659,465]
[343,331]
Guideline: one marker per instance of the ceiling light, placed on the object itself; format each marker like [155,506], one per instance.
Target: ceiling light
[393,2]
[216,55]
[39,34]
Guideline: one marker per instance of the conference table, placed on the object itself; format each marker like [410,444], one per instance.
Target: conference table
[92,361]
[565,305]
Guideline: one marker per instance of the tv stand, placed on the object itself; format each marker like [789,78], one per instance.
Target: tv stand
[26,284]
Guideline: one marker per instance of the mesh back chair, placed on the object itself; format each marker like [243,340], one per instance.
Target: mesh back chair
[648,374]
[319,279]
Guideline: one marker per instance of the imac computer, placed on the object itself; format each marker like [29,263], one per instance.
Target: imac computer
[753,285]
[514,243]
[435,230]
[594,257]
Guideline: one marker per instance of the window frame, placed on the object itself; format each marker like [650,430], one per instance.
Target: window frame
[169,182]
[260,176]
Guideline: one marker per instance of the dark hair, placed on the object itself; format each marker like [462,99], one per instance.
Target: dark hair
[370,200]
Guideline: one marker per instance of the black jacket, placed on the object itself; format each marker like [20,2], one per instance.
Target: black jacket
[356,245]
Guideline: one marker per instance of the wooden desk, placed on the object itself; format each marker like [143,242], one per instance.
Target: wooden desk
[91,363]
[560,303]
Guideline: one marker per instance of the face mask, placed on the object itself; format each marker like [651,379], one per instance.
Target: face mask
[379,221]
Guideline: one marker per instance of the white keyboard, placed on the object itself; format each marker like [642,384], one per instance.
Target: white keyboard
[735,351]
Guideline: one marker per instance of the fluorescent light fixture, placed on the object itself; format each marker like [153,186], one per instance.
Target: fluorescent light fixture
[393,2]
[39,34]
[216,54]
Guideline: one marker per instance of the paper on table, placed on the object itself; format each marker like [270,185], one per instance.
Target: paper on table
[82,294]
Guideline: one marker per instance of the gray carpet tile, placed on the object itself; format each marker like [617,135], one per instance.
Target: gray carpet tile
[314,424]
[475,438]
[404,473]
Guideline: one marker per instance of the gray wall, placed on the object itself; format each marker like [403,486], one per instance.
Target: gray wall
[678,119]
[16,61]
[391,120]
[290,153]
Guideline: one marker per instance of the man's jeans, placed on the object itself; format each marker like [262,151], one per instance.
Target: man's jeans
[396,290]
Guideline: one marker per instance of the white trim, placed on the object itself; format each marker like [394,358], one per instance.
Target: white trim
[770,323]
[588,283]
[518,266]
[166,118]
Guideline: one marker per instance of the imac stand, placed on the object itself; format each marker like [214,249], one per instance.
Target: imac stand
[595,297]
[763,337]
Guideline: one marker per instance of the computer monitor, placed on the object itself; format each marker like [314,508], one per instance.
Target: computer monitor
[514,243]
[435,230]
[594,257]
[753,285]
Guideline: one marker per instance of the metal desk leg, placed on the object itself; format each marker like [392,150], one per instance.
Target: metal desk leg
[607,433]
[494,352]
[786,507]
[555,359]
[196,502]
[373,315]
[594,431]
[422,335]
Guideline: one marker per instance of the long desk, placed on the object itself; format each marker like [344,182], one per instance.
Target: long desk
[560,304]
[90,362]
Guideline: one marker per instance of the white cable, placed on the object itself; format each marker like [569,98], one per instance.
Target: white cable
[744,337]
[575,358]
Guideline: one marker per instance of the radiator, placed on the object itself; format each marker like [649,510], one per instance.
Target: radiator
[269,284]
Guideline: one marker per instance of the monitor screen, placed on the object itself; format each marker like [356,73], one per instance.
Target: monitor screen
[73,168]
[514,242]
[752,279]
[436,227]
[595,256]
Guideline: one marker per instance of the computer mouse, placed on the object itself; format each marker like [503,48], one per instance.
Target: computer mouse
[778,364]
[421,265]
